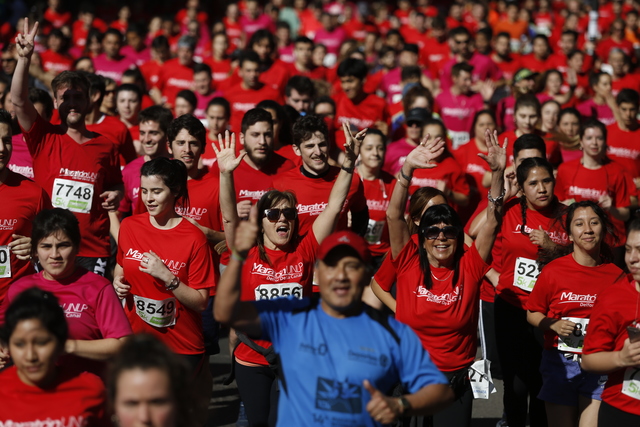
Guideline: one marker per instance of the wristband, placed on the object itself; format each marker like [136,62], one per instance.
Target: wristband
[405,405]
[348,170]
[408,178]
[497,200]
[236,256]
[173,285]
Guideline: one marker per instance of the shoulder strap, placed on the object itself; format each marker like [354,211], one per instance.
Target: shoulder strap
[381,318]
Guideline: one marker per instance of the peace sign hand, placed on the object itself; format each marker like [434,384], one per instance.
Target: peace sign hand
[25,41]
[352,143]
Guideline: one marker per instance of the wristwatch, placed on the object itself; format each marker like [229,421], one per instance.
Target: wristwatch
[173,285]
[405,405]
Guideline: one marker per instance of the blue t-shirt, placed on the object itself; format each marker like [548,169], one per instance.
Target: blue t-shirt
[325,359]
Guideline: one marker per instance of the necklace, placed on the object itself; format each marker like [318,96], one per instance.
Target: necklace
[441,280]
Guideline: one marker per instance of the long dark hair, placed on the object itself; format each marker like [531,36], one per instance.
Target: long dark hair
[439,214]
[522,173]
[267,201]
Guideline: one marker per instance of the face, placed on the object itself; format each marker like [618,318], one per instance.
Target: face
[549,114]
[134,40]
[525,85]
[628,113]
[128,105]
[249,73]
[57,255]
[325,109]
[54,43]
[538,188]
[414,131]
[277,234]
[632,254]
[217,121]
[72,105]
[603,87]
[576,62]
[34,350]
[202,82]
[440,250]
[85,65]
[435,131]
[185,55]
[111,45]
[181,107]
[6,147]
[554,82]
[258,142]
[483,123]
[567,43]
[525,154]
[220,45]
[593,143]
[319,53]
[587,230]
[540,48]
[459,44]
[156,196]
[372,151]
[262,48]
[314,153]
[351,86]
[109,100]
[152,138]
[526,119]
[9,62]
[341,281]
[302,52]
[301,102]
[501,46]
[143,398]
[569,125]
[186,148]
[463,81]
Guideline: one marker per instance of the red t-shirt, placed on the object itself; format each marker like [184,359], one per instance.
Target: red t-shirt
[537,65]
[445,317]
[313,195]
[131,179]
[315,73]
[185,251]
[508,67]
[72,400]
[473,165]
[220,70]
[624,147]
[151,72]
[629,81]
[243,100]
[74,175]
[447,172]
[117,132]
[519,254]
[289,273]
[568,289]
[55,62]
[589,109]
[173,78]
[22,200]
[276,76]
[378,194]
[615,309]
[574,181]
[365,114]
[551,147]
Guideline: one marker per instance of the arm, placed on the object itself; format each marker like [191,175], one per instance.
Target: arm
[120,285]
[194,299]
[227,307]
[114,224]
[24,109]
[384,296]
[561,327]
[421,157]
[606,202]
[605,362]
[212,236]
[227,163]
[102,349]
[327,220]
[496,157]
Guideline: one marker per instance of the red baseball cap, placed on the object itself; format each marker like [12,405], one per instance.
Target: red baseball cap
[345,238]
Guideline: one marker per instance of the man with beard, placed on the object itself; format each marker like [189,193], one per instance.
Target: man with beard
[78,168]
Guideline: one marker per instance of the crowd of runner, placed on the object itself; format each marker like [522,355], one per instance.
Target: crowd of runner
[364,193]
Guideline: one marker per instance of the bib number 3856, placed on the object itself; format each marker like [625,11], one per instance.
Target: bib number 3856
[5,262]
[158,313]
[525,274]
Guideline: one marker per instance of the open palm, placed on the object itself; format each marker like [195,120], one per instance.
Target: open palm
[425,154]
[226,154]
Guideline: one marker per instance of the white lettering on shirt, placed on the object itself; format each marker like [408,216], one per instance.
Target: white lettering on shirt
[314,209]
[252,194]
[174,266]
[444,299]
[193,213]
[183,84]
[72,421]
[359,123]
[8,224]
[288,272]
[587,193]
[459,113]
[72,310]
[586,300]
[79,175]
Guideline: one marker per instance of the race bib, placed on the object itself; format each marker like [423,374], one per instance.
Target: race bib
[525,274]
[480,378]
[73,195]
[458,139]
[631,383]
[575,341]
[5,262]
[278,290]
[374,231]
[160,314]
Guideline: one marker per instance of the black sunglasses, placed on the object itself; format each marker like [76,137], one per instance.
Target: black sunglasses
[274,214]
[432,233]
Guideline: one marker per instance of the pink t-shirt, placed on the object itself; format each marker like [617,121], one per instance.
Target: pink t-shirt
[138,57]
[131,179]
[601,112]
[332,40]
[457,113]
[201,107]
[21,161]
[250,26]
[112,69]
[483,69]
[396,154]
[286,54]
[391,84]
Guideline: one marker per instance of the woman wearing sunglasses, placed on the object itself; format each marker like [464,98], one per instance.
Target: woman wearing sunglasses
[280,265]
[438,282]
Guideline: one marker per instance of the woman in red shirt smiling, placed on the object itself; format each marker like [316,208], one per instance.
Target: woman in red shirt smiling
[438,282]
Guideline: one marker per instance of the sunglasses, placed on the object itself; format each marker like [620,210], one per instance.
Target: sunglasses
[432,233]
[274,214]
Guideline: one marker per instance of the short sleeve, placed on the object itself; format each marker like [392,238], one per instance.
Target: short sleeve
[112,321]
[539,298]
[603,328]
[386,274]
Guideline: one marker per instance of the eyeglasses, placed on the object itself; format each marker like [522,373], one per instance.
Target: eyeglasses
[274,214]
[432,233]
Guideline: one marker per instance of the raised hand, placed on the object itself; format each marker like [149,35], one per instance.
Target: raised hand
[424,155]
[496,156]
[226,154]
[25,41]
[247,233]
[352,143]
